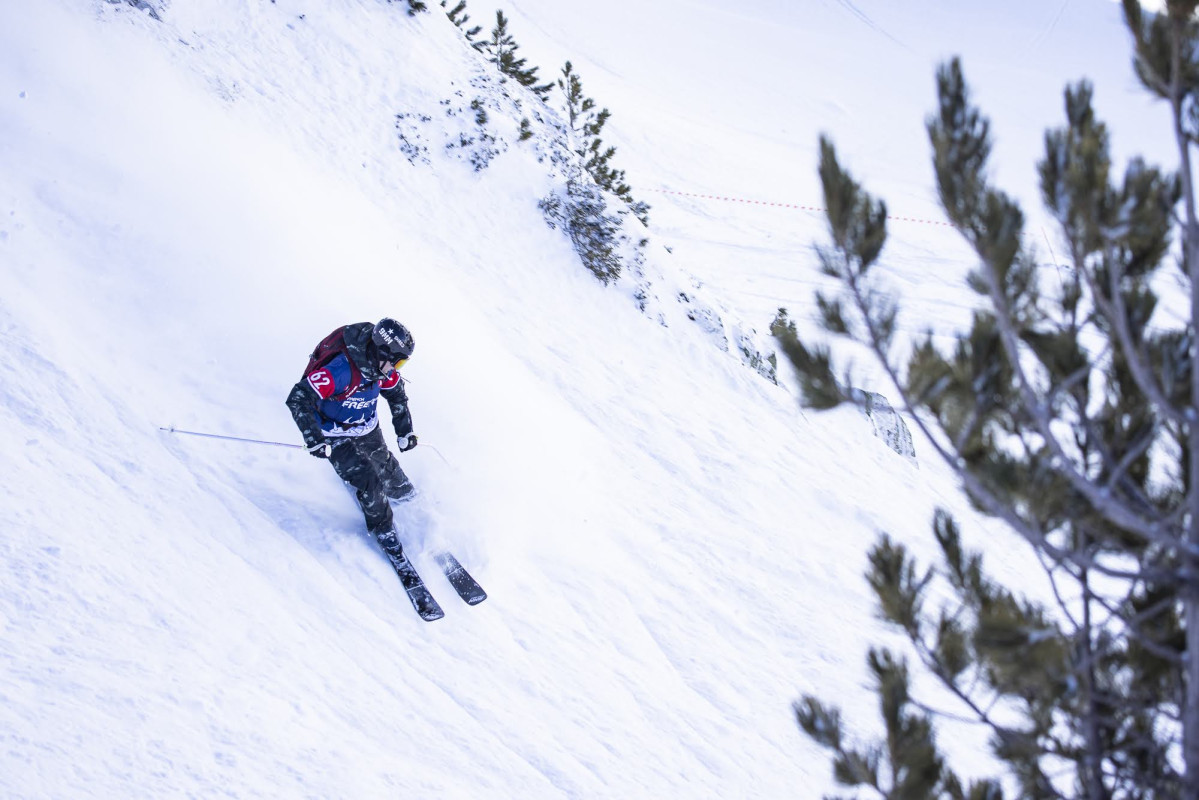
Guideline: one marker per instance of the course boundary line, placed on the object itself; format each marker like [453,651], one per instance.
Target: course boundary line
[817,209]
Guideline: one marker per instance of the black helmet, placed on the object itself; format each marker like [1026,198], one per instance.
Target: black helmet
[392,341]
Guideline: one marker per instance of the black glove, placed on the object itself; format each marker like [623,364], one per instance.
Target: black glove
[320,449]
[406,442]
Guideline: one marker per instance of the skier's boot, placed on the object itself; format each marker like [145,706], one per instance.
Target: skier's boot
[391,544]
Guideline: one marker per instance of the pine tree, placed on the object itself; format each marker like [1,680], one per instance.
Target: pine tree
[587,123]
[501,49]
[594,231]
[578,106]
[459,17]
[1070,411]
[414,7]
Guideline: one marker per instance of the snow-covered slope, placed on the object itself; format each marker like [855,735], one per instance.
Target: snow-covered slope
[673,552]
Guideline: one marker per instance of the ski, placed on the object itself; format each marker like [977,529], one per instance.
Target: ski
[424,602]
[467,587]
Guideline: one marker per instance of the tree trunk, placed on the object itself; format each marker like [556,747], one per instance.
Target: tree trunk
[1190,562]
[1093,760]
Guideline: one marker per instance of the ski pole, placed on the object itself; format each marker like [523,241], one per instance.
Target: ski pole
[173,429]
[439,455]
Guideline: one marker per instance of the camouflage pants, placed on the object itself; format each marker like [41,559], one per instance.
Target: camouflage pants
[366,464]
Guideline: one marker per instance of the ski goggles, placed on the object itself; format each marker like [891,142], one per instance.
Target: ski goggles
[386,367]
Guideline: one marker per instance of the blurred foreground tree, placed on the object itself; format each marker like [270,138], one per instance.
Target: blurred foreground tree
[1068,410]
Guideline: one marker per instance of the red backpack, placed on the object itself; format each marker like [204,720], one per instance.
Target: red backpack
[328,349]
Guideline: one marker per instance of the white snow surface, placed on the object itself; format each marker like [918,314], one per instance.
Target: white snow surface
[673,551]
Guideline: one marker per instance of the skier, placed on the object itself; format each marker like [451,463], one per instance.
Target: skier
[334,406]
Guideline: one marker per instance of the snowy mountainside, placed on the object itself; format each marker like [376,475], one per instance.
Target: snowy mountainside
[673,551]
[480,122]
[471,114]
